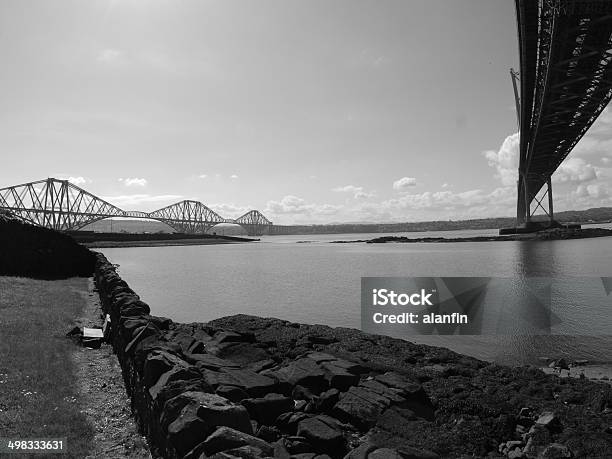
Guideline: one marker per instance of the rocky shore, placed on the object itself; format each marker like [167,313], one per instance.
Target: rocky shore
[253,387]
[545,235]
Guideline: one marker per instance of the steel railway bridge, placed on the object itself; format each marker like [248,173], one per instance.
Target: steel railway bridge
[565,49]
[61,205]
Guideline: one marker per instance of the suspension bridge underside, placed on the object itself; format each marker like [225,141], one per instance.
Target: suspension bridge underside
[63,206]
[565,49]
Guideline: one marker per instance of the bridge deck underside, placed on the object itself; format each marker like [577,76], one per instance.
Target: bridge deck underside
[566,80]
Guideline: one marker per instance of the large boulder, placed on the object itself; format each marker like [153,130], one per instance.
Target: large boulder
[266,409]
[200,414]
[322,433]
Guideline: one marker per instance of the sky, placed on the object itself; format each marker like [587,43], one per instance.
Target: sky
[311,111]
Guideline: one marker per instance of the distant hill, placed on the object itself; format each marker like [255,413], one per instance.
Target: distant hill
[599,214]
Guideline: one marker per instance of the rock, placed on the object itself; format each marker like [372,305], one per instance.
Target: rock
[556,451]
[304,372]
[322,339]
[158,363]
[391,393]
[515,453]
[361,452]
[321,433]
[550,421]
[175,374]
[197,347]
[225,438]
[384,453]
[209,361]
[243,452]
[339,377]
[266,409]
[141,333]
[298,445]
[326,400]
[303,393]
[361,407]
[319,357]
[290,421]
[232,393]
[184,340]
[408,452]
[199,415]
[254,384]
[187,430]
[299,405]
[417,399]
[232,337]
[537,438]
[268,433]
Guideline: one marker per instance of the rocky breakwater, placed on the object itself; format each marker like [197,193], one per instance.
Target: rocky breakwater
[251,387]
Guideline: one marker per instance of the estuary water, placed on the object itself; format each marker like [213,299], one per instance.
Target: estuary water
[309,279]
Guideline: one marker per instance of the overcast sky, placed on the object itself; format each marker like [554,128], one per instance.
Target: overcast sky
[310,111]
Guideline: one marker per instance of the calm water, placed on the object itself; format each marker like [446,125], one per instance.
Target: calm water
[319,282]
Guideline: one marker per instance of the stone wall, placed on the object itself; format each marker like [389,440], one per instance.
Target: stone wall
[251,387]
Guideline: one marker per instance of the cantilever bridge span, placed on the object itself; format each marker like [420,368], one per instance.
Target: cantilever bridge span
[61,205]
[565,49]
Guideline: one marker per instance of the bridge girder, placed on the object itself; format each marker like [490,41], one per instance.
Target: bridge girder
[61,205]
[565,49]
[55,204]
[254,222]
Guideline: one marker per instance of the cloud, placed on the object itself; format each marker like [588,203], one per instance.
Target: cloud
[500,198]
[606,160]
[134,181]
[233,176]
[357,191]
[575,170]
[137,199]
[78,181]
[292,205]
[109,55]
[445,185]
[202,176]
[505,160]
[404,183]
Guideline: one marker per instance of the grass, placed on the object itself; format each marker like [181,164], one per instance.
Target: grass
[38,397]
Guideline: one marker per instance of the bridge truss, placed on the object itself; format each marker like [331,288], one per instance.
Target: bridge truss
[565,49]
[62,206]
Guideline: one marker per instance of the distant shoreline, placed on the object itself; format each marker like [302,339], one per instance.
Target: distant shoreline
[159,243]
[546,235]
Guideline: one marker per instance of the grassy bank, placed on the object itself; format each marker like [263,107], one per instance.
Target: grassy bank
[38,396]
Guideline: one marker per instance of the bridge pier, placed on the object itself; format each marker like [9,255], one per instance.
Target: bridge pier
[524,221]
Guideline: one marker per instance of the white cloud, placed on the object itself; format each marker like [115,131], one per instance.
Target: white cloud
[575,170]
[292,205]
[466,203]
[606,160]
[134,181]
[78,181]
[357,191]
[109,55]
[505,160]
[233,176]
[202,176]
[445,185]
[404,183]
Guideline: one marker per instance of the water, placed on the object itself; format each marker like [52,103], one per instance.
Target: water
[319,282]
